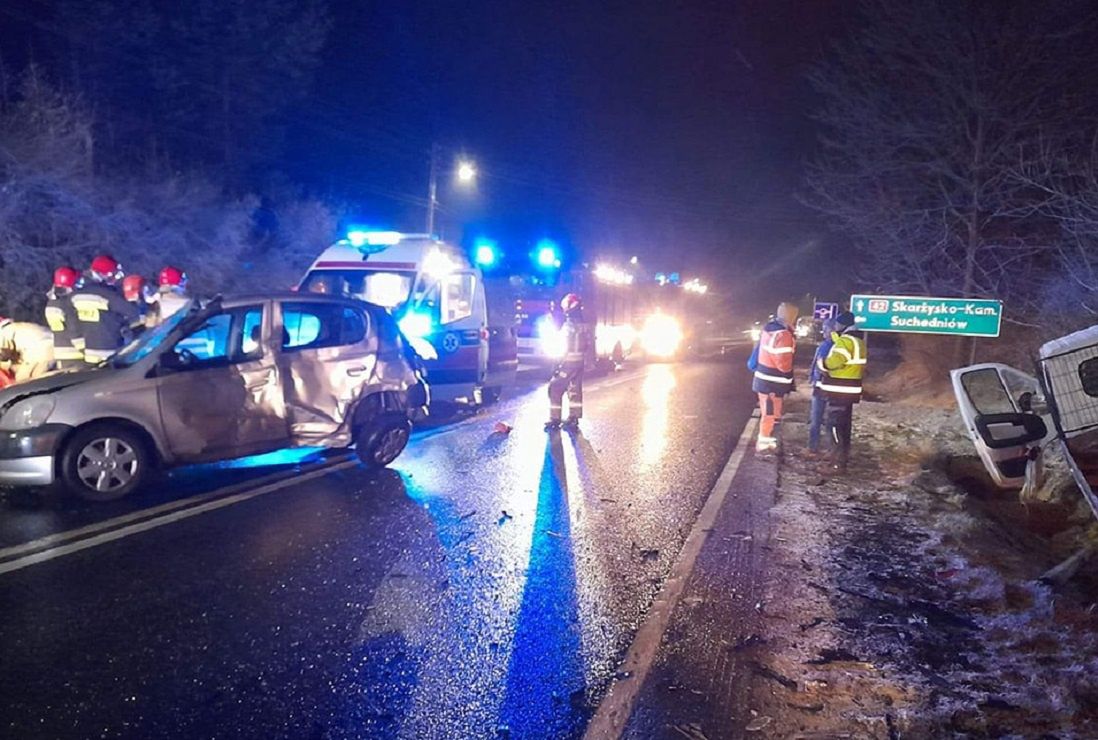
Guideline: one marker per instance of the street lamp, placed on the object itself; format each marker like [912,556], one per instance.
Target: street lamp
[465,173]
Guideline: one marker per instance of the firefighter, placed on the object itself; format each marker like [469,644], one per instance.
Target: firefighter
[773,379]
[568,374]
[26,348]
[104,316]
[845,366]
[172,293]
[68,347]
[135,289]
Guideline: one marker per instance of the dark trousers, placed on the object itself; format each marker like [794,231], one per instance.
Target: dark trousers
[816,422]
[566,379]
[840,421]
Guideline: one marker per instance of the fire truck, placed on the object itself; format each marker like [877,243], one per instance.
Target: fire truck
[631,315]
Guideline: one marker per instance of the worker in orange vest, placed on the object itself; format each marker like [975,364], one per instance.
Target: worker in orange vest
[772,362]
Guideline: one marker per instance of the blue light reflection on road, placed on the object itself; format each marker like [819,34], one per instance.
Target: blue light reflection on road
[545,674]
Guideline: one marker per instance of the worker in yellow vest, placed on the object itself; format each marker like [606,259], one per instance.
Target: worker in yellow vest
[843,370]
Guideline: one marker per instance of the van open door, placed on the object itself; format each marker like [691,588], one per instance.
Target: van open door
[995,403]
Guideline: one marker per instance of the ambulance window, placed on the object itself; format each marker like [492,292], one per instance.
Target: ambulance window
[457,291]
[1088,376]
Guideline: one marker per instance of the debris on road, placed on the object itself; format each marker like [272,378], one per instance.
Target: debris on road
[502,427]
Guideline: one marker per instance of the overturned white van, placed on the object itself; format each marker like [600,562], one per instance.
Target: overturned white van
[1012,416]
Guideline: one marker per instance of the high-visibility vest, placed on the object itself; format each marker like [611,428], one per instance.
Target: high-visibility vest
[844,368]
[774,370]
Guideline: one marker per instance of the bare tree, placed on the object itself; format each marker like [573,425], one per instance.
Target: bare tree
[926,112]
[57,208]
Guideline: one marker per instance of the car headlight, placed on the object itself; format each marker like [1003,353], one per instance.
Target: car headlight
[28,413]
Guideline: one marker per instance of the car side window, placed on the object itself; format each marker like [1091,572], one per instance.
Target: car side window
[225,338]
[209,343]
[315,325]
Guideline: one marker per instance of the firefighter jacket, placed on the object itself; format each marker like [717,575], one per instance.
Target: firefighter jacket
[169,300]
[576,343]
[844,367]
[104,318]
[61,318]
[774,368]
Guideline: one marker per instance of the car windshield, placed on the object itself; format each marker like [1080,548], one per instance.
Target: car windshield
[388,288]
[140,348]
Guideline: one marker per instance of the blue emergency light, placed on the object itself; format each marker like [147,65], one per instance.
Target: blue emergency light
[416,324]
[547,254]
[373,241]
[485,253]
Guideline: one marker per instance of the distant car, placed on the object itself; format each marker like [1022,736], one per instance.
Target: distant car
[231,378]
[808,329]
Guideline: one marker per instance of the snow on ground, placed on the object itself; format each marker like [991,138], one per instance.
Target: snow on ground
[900,605]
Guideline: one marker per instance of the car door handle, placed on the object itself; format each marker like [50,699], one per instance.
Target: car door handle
[354,372]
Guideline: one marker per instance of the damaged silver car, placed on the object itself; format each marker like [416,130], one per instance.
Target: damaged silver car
[1012,417]
[230,378]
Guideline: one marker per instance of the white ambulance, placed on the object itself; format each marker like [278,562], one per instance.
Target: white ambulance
[435,293]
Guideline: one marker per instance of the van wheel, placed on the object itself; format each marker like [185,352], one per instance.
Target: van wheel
[105,462]
[382,439]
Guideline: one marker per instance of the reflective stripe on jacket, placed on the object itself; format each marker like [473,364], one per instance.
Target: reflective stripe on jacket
[774,372]
[575,343]
[61,318]
[845,367]
[103,319]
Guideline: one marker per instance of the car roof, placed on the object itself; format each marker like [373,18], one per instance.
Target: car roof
[243,299]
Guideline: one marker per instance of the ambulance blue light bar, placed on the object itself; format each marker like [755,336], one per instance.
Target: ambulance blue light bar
[361,238]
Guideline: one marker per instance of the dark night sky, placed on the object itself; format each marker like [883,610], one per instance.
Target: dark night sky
[644,127]
[671,130]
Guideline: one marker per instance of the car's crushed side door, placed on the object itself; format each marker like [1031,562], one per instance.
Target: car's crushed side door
[327,357]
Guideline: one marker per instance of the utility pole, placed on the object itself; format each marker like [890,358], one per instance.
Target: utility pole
[432,190]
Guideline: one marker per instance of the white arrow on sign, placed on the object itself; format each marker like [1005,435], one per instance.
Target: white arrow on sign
[861,305]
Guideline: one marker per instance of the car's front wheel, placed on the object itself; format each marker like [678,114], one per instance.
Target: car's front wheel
[382,439]
[105,462]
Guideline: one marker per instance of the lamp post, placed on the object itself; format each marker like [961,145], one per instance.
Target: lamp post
[465,173]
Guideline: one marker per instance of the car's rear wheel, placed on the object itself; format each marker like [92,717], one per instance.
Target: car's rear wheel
[382,439]
[105,462]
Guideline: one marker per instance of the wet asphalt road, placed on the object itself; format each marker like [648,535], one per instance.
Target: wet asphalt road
[485,586]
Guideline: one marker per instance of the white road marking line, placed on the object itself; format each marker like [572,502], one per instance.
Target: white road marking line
[69,534]
[116,534]
[613,713]
[51,546]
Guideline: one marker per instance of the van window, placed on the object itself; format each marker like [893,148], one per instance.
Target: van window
[457,292]
[316,325]
[1088,376]
[987,393]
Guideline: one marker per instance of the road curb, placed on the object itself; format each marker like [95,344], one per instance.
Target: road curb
[613,713]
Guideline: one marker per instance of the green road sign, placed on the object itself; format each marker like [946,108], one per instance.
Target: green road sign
[918,315]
